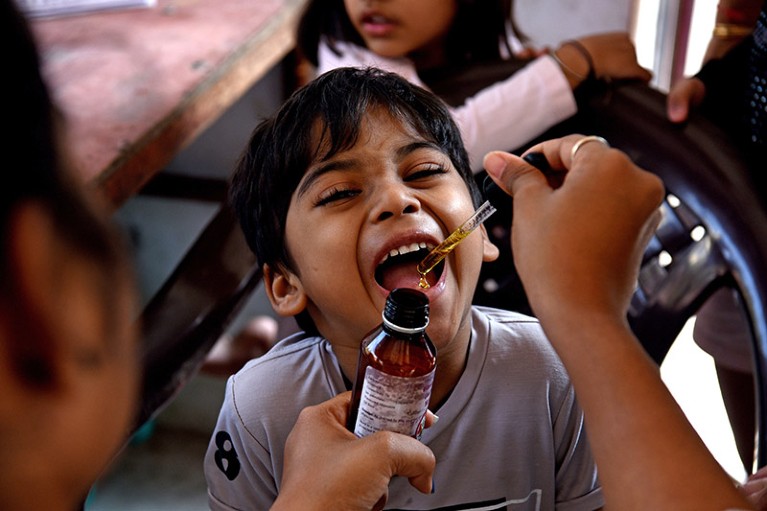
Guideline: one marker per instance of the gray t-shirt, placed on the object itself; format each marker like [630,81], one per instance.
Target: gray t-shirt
[510,436]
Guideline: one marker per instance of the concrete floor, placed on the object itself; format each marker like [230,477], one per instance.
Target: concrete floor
[164,471]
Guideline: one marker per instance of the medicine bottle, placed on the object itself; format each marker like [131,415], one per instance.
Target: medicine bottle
[395,371]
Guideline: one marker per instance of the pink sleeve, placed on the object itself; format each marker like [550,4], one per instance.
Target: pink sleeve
[503,116]
[510,113]
[351,55]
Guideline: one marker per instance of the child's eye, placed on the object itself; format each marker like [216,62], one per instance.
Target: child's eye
[335,194]
[426,171]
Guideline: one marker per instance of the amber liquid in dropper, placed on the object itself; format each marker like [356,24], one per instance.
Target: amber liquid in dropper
[537,160]
[443,249]
[438,254]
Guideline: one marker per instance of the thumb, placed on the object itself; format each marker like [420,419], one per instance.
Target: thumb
[511,173]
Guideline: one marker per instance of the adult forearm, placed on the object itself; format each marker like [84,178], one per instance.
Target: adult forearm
[636,429]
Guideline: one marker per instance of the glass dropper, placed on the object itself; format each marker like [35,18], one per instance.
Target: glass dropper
[443,249]
[492,192]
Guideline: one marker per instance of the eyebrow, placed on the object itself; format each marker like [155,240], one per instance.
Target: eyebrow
[314,174]
[414,146]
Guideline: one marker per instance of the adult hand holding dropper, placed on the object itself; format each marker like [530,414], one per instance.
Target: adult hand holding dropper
[578,249]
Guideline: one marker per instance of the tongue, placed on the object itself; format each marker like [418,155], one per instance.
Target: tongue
[401,275]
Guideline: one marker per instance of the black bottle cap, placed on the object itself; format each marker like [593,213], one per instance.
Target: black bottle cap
[407,308]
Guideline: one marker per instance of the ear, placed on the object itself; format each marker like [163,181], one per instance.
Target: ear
[284,289]
[489,251]
[35,262]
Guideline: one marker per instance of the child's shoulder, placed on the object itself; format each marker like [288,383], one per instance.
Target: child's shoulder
[511,348]
[495,323]
[514,333]
[303,367]
[276,371]
[504,316]
[294,351]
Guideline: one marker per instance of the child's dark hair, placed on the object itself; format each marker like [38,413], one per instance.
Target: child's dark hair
[480,28]
[282,148]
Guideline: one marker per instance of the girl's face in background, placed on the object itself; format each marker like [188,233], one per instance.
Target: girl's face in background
[404,28]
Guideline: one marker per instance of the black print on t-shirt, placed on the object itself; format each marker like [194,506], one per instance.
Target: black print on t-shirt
[226,457]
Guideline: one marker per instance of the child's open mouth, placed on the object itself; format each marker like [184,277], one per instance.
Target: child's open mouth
[398,267]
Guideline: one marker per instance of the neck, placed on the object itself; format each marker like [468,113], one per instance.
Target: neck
[429,57]
[347,359]
[451,361]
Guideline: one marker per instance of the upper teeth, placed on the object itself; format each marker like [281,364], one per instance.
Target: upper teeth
[404,249]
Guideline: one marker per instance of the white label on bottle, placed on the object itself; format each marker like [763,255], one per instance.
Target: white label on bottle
[393,403]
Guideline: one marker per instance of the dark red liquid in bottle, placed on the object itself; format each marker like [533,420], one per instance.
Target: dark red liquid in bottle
[395,370]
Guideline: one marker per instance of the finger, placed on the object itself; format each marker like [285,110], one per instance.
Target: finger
[650,227]
[554,177]
[759,474]
[677,105]
[408,458]
[431,419]
[754,486]
[511,172]
[683,97]
[338,407]
[381,502]
[756,492]
[558,151]
[526,53]
[585,148]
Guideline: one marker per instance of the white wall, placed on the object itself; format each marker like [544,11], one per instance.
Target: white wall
[547,22]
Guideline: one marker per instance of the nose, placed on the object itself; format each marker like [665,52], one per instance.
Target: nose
[392,200]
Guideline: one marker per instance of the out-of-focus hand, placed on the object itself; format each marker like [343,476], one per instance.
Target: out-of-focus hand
[528,53]
[686,94]
[230,353]
[755,489]
[614,56]
[328,467]
[578,248]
